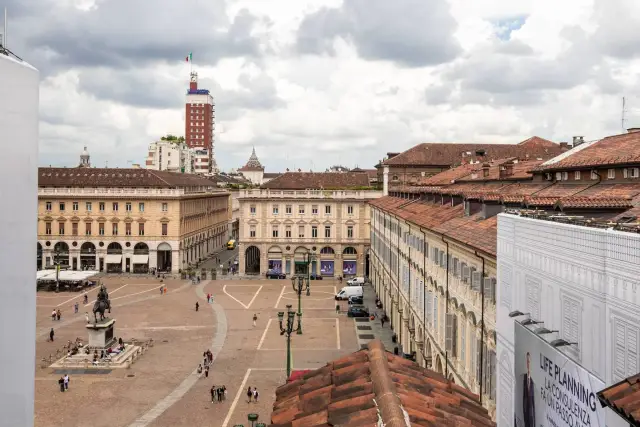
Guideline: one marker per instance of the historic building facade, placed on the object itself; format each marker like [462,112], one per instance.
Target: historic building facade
[434,245]
[128,220]
[291,216]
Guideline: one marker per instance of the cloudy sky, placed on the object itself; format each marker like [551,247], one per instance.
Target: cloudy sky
[311,83]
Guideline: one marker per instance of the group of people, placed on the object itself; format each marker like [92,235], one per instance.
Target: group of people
[218,393]
[63,382]
[56,314]
[252,395]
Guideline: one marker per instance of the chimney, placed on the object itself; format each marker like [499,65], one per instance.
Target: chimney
[506,170]
[565,145]
[485,169]
[577,140]
[633,130]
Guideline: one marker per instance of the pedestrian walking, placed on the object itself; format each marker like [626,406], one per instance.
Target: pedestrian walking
[86,316]
[58,314]
[75,307]
[224,392]
[208,298]
[61,384]
[249,395]
[255,395]
[199,368]
[382,321]
[197,306]
[51,335]
[213,393]
[165,290]
[255,319]
[85,301]
[206,371]
[210,355]
[161,290]
[66,381]
[54,314]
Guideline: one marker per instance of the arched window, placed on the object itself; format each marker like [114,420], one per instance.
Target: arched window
[349,251]
[327,251]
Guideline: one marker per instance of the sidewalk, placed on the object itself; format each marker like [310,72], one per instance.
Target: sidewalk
[368,330]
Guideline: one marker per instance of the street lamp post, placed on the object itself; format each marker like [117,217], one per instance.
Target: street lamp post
[298,284]
[287,330]
[308,258]
[56,264]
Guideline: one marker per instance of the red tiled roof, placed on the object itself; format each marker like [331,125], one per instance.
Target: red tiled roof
[520,170]
[624,399]
[448,154]
[613,150]
[540,201]
[373,385]
[448,176]
[116,177]
[595,202]
[318,180]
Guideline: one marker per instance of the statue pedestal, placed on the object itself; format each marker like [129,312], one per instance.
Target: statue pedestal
[101,334]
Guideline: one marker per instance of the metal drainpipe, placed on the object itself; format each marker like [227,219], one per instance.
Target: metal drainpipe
[481,324]
[398,287]
[446,311]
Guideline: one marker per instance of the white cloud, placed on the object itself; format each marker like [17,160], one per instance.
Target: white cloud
[367,83]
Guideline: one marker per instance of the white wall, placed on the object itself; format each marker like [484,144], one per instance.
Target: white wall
[581,281]
[18,234]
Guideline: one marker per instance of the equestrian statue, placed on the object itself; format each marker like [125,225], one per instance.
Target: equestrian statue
[102,303]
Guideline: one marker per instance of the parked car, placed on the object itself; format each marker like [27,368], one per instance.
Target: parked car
[348,291]
[315,276]
[356,281]
[273,274]
[356,299]
[358,311]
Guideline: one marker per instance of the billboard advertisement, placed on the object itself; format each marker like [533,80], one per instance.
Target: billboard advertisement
[326,268]
[551,390]
[275,265]
[349,268]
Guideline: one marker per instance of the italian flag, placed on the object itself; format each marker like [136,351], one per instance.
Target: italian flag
[189,58]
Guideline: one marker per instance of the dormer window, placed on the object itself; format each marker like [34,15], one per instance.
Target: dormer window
[565,176]
[576,175]
[594,175]
[611,174]
[558,176]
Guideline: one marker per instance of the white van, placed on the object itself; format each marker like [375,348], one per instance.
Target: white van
[356,281]
[349,291]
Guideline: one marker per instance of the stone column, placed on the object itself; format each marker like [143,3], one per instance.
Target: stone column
[153,259]
[175,261]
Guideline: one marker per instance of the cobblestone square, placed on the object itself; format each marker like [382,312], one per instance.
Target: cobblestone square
[162,388]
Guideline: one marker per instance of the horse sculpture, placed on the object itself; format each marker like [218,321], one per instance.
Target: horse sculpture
[102,304]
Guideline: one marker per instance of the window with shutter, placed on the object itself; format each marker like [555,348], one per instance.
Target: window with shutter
[429,308]
[488,288]
[476,280]
[625,349]
[463,342]
[435,315]
[533,297]
[571,313]
[450,334]
[465,273]
[456,267]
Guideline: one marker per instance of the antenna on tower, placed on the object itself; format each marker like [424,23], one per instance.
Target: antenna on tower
[624,109]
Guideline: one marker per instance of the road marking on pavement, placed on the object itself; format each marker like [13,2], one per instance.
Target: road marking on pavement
[280,297]
[237,398]
[112,292]
[191,379]
[264,334]
[71,299]
[224,289]
[166,328]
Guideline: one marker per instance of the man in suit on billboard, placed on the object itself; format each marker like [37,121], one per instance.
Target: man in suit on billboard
[528,393]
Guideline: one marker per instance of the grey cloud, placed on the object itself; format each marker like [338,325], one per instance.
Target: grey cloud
[130,33]
[514,47]
[617,33]
[413,33]
[437,94]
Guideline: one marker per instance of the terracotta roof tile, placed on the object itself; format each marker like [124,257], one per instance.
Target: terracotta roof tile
[318,180]
[373,384]
[448,154]
[613,150]
[503,169]
[116,177]
[624,399]
[595,202]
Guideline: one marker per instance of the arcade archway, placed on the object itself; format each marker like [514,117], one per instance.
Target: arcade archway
[252,260]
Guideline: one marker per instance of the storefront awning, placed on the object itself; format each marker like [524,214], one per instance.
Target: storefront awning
[140,259]
[113,259]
